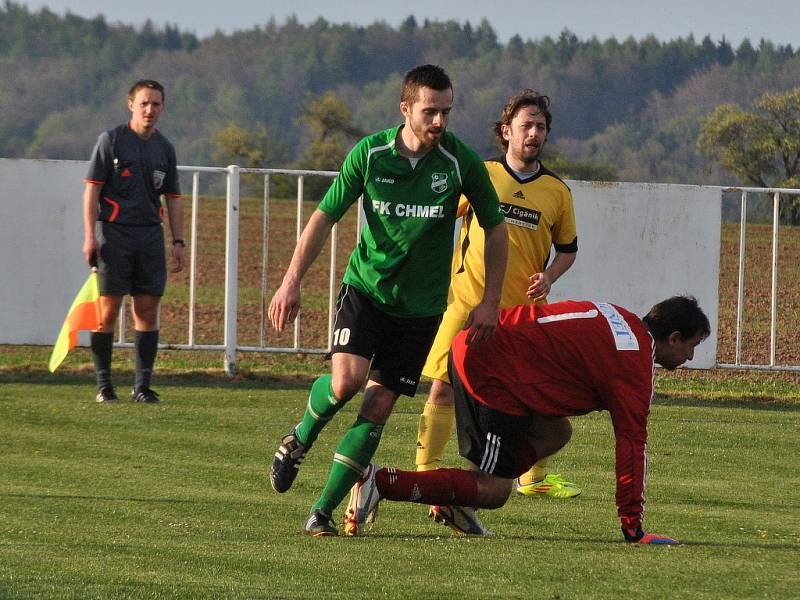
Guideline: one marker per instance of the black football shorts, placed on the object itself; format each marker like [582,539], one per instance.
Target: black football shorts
[397,346]
[131,260]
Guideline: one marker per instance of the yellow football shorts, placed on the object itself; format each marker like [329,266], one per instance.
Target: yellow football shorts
[452,322]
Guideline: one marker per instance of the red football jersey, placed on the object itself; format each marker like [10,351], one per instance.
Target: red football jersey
[566,359]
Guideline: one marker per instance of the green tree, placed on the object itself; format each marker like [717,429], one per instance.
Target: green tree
[329,118]
[582,170]
[761,146]
[234,144]
[252,148]
[54,138]
[327,123]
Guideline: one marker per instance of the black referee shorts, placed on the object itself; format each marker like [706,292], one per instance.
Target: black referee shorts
[131,260]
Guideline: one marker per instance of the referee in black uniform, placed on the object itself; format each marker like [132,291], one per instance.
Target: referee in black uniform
[131,168]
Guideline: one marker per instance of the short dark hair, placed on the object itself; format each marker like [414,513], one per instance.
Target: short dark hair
[429,76]
[679,313]
[146,83]
[526,97]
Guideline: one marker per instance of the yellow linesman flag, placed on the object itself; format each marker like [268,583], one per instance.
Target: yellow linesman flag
[83,314]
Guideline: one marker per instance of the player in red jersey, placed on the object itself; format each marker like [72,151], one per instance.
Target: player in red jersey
[515,391]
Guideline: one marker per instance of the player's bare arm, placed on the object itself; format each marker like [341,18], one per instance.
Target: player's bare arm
[542,283]
[91,196]
[285,304]
[482,321]
[175,212]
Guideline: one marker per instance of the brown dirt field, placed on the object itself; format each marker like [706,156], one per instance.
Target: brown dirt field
[755,348]
[314,315]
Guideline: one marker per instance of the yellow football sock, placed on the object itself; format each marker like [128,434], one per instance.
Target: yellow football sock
[537,472]
[435,427]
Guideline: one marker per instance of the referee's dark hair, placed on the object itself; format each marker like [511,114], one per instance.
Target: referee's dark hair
[429,76]
[527,97]
[679,313]
[146,83]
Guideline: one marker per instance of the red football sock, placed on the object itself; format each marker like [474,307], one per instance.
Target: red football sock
[439,486]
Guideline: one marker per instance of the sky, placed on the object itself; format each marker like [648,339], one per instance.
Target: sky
[775,20]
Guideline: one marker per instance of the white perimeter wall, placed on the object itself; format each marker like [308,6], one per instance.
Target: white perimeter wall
[41,234]
[640,243]
[637,244]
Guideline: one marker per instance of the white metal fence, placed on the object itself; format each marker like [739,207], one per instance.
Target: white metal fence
[230,345]
[778,195]
[656,240]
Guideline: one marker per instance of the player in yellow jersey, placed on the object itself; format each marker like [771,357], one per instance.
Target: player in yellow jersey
[540,216]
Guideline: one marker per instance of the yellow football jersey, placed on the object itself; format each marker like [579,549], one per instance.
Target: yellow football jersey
[539,215]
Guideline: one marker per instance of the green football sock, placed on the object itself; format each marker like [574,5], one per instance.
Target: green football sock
[353,455]
[322,406]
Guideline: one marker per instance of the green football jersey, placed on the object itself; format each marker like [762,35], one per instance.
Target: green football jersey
[403,256]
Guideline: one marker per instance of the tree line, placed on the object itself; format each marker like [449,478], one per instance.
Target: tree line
[295,95]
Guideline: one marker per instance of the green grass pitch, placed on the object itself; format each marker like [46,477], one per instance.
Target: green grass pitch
[172,501]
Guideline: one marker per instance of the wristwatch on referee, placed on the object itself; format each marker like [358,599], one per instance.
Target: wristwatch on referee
[179,242]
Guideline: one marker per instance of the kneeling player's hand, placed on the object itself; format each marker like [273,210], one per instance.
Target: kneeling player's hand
[637,536]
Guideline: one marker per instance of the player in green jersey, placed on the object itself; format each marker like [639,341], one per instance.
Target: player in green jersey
[395,286]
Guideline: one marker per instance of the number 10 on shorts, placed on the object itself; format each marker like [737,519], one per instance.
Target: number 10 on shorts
[341,336]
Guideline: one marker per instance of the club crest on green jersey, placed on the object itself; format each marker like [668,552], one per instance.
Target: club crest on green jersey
[439,182]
